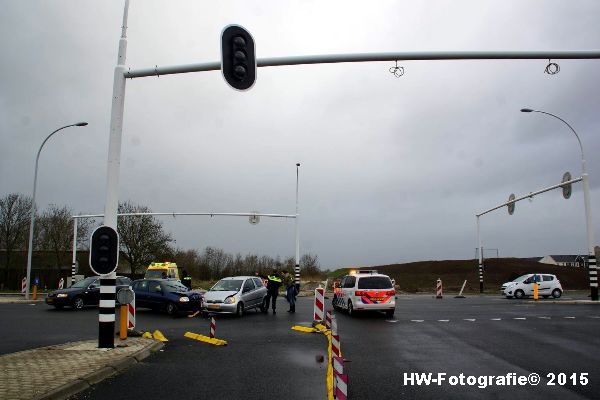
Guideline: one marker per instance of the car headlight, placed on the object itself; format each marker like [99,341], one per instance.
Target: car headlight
[184,299]
[229,300]
[62,295]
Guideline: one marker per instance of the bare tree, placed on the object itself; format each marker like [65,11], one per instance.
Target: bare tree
[309,265]
[142,237]
[15,211]
[56,232]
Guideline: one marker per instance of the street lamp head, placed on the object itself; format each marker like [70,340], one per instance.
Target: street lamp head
[297,164]
[526,110]
[81,124]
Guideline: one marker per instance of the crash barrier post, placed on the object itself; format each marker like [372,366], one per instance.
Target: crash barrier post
[123,322]
[438,289]
[460,295]
[131,314]
[328,319]
[319,304]
[61,283]
[34,292]
[535,291]
[340,380]
[335,338]
[23,285]
[212,327]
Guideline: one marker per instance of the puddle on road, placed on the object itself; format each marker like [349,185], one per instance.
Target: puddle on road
[307,359]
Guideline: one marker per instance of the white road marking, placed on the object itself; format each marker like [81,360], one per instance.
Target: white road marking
[417,320]
[570,317]
[594,316]
[496,319]
[520,318]
[443,320]
[391,320]
[544,317]
[469,319]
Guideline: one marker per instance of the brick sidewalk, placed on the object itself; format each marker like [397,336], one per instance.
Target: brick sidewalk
[57,372]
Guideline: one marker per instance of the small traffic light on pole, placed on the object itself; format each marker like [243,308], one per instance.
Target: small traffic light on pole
[104,250]
[238,58]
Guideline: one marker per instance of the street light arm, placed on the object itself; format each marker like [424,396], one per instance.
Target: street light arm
[566,123]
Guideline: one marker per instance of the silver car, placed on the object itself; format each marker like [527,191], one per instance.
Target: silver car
[235,295]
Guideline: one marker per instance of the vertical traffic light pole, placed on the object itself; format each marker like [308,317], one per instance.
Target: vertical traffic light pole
[297,267]
[480,257]
[106,315]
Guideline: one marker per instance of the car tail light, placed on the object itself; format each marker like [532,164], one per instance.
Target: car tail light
[390,293]
[359,293]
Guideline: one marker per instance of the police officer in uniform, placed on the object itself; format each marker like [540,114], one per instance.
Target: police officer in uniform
[186,280]
[273,284]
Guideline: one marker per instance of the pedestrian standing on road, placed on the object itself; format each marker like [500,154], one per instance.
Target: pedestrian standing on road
[273,284]
[290,290]
[186,280]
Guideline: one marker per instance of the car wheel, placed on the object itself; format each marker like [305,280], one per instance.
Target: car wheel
[78,303]
[519,294]
[240,309]
[556,293]
[350,308]
[262,306]
[389,313]
[171,308]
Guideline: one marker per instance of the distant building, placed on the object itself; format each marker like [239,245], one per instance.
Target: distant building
[565,260]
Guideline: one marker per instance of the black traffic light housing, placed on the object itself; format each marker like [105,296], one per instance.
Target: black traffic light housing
[104,250]
[238,58]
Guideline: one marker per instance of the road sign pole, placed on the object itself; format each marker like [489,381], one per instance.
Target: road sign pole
[106,315]
[480,257]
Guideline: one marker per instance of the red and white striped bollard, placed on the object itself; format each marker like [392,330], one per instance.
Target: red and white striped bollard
[438,289]
[61,283]
[328,319]
[24,285]
[319,304]
[131,313]
[212,327]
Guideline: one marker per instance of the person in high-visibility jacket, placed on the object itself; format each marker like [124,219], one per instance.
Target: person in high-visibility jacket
[186,280]
[273,284]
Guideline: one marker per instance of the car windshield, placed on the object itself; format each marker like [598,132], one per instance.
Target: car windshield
[519,279]
[175,287]
[375,282]
[84,283]
[233,285]
[155,273]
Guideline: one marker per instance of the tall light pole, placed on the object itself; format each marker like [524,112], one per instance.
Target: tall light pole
[32,224]
[297,268]
[593,271]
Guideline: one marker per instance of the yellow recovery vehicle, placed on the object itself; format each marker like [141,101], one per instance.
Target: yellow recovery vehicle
[156,271]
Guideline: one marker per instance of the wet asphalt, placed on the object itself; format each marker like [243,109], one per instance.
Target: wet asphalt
[265,359]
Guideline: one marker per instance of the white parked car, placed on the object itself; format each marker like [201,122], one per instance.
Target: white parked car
[365,290]
[548,285]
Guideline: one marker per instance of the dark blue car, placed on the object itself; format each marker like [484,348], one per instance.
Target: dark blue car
[168,295]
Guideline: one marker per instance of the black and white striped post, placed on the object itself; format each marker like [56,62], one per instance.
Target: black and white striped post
[74,259]
[104,258]
[297,267]
[593,271]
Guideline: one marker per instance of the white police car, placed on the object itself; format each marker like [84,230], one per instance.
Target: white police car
[548,285]
[365,290]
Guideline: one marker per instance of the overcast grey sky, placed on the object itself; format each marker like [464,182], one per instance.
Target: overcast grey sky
[393,169]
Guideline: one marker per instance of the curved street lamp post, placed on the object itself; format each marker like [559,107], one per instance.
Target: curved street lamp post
[32,224]
[593,271]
